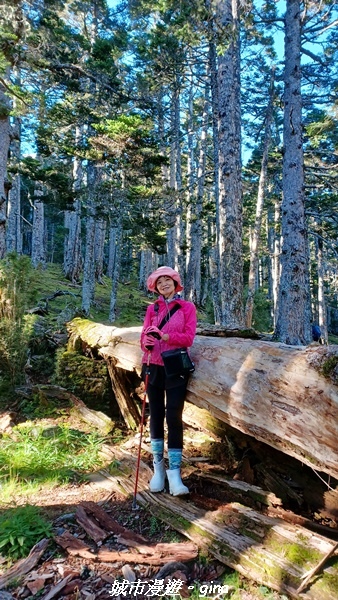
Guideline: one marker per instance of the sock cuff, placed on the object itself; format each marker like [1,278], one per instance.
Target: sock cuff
[157,447]
[175,458]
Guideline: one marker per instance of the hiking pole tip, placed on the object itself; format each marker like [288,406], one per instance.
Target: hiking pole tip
[135,506]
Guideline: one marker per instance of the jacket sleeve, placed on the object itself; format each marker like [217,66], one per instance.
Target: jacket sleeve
[185,338]
[146,324]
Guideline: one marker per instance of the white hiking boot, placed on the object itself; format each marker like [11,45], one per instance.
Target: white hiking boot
[176,486]
[157,481]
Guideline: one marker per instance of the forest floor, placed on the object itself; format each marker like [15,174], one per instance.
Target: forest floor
[58,574]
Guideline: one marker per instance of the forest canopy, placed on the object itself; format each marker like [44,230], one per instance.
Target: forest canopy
[199,134]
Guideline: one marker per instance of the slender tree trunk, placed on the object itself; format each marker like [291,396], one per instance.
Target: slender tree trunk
[162,138]
[4,147]
[72,259]
[256,235]
[322,310]
[275,260]
[148,264]
[117,235]
[100,237]
[14,233]
[193,277]
[116,232]
[230,185]
[111,250]
[72,263]
[294,309]
[88,284]
[174,212]
[190,171]
[214,258]
[38,231]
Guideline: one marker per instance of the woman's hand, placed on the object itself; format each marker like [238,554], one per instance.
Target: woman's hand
[148,342]
[154,331]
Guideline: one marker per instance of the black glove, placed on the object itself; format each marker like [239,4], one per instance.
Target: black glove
[154,331]
[149,341]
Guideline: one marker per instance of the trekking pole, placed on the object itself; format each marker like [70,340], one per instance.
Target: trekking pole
[141,431]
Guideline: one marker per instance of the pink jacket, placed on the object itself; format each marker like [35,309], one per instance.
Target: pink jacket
[181,327]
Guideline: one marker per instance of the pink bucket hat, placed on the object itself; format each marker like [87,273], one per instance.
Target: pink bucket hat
[152,279]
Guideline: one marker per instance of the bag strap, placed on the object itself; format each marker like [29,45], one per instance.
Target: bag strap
[169,314]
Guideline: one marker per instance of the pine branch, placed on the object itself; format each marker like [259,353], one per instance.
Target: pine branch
[12,92]
[313,56]
[95,79]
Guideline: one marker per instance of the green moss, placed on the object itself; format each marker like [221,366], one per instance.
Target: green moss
[272,572]
[85,377]
[329,582]
[329,365]
[300,554]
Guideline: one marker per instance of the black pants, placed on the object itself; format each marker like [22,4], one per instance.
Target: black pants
[166,402]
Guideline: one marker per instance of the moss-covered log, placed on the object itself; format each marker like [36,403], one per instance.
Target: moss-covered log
[262,548]
[284,396]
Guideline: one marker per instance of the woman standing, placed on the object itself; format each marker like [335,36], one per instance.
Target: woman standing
[166,395]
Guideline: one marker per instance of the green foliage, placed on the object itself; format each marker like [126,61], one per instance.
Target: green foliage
[41,454]
[329,367]
[20,529]
[17,292]
[155,526]
[54,179]
[262,320]
[123,126]
[39,407]
[321,129]
[85,377]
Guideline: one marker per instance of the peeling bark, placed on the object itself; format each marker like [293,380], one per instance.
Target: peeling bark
[281,395]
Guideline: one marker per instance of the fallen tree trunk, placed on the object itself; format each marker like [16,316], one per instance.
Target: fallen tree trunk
[275,393]
[262,548]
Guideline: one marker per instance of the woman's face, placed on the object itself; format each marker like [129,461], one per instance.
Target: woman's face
[165,286]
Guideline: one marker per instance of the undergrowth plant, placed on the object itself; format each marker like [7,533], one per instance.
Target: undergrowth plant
[16,295]
[48,456]
[20,529]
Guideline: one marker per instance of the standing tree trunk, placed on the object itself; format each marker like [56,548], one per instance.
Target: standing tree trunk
[190,177]
[256,236]
[322,312]
[148,264]
[72,259]
[112,250]
[117,236]
[88,284]
[100,237]
[175,209]
[294,309]
[274,249]
[230,185]
[214,259]
[38,231]
[193,278]
[4,147]
[13,234]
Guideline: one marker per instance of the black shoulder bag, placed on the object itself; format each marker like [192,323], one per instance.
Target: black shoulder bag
[176,362]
